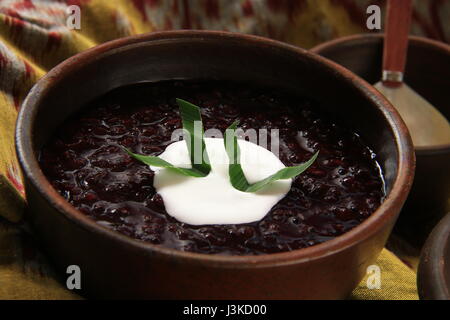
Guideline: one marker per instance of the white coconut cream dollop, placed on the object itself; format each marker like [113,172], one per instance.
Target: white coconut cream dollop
[212,199]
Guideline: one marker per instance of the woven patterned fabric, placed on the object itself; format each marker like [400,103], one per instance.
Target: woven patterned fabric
[34,37]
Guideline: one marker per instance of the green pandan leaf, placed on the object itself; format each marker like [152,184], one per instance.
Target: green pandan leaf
[192,123]
[158,162]
[193,126]
[237,177]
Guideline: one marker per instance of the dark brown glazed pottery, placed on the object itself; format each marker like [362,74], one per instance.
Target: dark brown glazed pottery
[433,279]
[427,72]
[115,266]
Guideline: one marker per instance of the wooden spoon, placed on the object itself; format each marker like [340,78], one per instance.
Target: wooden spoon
[427,126]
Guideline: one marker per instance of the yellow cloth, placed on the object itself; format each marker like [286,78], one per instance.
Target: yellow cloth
[34,37]
[398,281]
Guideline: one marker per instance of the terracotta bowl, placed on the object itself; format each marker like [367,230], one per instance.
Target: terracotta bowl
[116,266]
[428,72]
[433,278]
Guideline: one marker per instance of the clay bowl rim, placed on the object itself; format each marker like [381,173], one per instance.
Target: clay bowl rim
[368,37]
[387,210]
[431,279]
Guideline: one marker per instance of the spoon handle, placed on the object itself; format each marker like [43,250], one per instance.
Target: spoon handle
[397,26]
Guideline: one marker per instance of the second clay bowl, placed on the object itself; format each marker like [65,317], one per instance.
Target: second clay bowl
[428,72]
